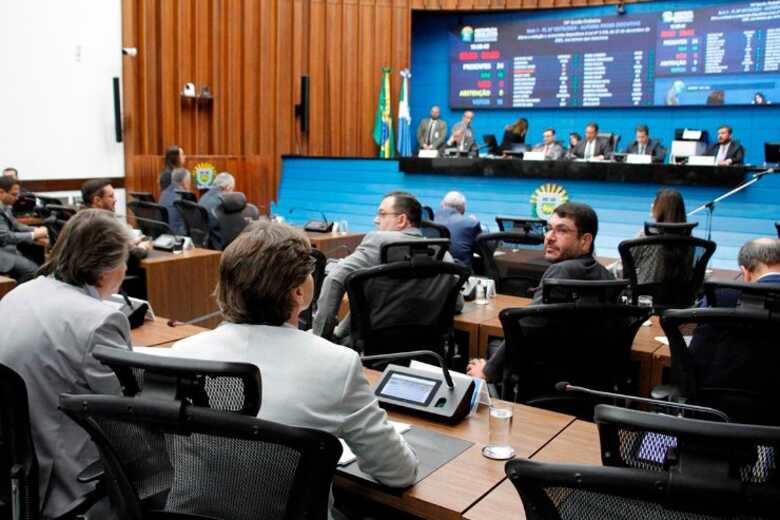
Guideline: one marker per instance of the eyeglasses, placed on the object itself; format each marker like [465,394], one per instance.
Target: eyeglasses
[558,230]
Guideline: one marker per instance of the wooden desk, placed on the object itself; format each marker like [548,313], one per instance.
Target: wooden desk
[450,490]
[577,444]
[6,285]
[335,245]
[182,286]
[473,315]
[157,333]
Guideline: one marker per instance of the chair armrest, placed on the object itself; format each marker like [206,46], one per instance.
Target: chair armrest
[665,393]
[91,473]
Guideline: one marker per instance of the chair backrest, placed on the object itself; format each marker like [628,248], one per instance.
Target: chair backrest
[405,250]
[515,261]
[431,229]
[18,463]
[673,228]
[427,213]
[612,139]
[61,212]
[584,343]
[196,460]
[196,220]
[152,218]
[727,358]
[142,195]
[742,294]
[404,306]
[531,227]
[230,216]
[230,387]
[306,318]
[594,291]
[777,227]
[187,195]
[668,267]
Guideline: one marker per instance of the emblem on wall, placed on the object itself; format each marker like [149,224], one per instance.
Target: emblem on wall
[546,198]
[204,175]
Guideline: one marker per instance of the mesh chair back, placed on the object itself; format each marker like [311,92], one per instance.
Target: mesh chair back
[141,195]
[727,358]
[306,318]
[427,213]
[18,463]
[584,343]
[431,229]
[594,291]
[673,228]
[404,306]
[201,461]
[515,261]
[531,227]
[406,250]
[670,268]
[230,387]
[196,219]
[152,218]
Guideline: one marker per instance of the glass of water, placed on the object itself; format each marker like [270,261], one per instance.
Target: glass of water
[500,420]
[481,296]
[343,227]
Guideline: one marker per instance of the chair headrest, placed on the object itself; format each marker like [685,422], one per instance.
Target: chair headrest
[233,202]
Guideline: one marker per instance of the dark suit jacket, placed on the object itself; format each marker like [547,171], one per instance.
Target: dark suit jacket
[583,268]
[175,220]
[438,137]
[602,148]
[735,152]
[509,139]
[11,234]
[653,148]
[463,234]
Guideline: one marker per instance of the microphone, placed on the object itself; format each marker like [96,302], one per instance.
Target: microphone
[193,321]
[413,354]
[137,315]
[564,387]
[322,214]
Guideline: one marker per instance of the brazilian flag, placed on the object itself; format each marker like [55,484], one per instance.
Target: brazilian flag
[383,122]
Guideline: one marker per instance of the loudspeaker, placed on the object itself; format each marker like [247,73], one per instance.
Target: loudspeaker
[302,108]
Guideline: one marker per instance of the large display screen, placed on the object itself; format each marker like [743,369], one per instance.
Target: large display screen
[723,55]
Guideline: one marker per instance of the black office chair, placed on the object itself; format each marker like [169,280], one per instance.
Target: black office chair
[405,250]
[777,227]
[515,261]
[588,344]
[557,290]
[734,460]
[152,218]
[431,229]
[187,195]
[231,216]
[673,228]
[612,139]
[204,463]
[668,267]
[46,200]
[144,196]
[530,227]
[196,220]
[427,213]
[306,318]
[404,306]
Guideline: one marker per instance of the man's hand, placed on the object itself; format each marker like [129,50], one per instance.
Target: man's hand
[725,162]
[40,232]
[44,242]
[476,368]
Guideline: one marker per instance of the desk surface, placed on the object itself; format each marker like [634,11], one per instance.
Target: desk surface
[157,333]
[335,245]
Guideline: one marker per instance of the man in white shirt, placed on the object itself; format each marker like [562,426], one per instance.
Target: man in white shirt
[550,147]
[591,148]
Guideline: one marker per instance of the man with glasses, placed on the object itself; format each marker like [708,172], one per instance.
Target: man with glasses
[12,262]
[568,245]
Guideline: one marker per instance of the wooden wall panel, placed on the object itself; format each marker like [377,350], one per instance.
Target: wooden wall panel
[251,54]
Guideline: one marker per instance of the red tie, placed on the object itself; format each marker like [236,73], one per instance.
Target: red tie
[545,149]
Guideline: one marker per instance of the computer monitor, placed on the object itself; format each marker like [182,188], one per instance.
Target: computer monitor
[772,153]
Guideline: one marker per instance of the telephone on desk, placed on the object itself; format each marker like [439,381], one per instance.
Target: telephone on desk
[166,242]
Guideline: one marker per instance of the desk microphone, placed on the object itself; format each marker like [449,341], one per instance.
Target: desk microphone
[193,321]
[413,354]
[322,214]
[564,387]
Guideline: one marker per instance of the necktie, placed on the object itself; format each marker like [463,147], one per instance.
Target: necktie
[589,149]
[722,152]
[546,148]
[641,149]
[429,137]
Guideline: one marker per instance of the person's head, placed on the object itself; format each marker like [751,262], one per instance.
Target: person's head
[174,157]
[225,182]
[574,138]
[180,178]
[435,112]
[642,134]
[591,131]
[454,200]
[98,194]
[668,206]
[468,117]
[548,135]
[91,249]
[724,134]
[9,190]
[571,232]
[759,257]
[399,210]
[520,127]
[11,172]
[759,98]
[265,275]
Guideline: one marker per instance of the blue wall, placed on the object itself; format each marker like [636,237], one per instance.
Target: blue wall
[430,76]
[351,189]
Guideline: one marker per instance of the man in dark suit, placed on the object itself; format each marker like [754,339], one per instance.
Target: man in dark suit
[568,245]
[462,137]
[180,181]
[759,262]
[644,145]
[591,148]
[727,151]
[432,132]
[463,229]
[12,262]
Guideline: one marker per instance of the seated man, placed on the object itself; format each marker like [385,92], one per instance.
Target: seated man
[12,233]
[727,151]
[644,145]
[551,148]
[462,138]
[568,244]
[180,181]
[759,262]
[58,319]
[591,148]
[265,281]
[463,229]
[223,183]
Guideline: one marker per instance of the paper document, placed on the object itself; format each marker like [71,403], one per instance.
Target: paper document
[347,456]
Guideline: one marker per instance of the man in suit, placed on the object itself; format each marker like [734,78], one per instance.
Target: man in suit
[12,233]
[727,151]
[759,262]
[462,137]
[551,148]
[180,181]
[568,244]
[644,145]
[591,148]
[223,183]
[463,229]
[432,131]
[58,320]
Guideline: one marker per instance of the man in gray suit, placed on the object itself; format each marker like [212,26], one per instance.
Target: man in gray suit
[58,320]
[462,137]
[432,131]
[551,148]
[12,262]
